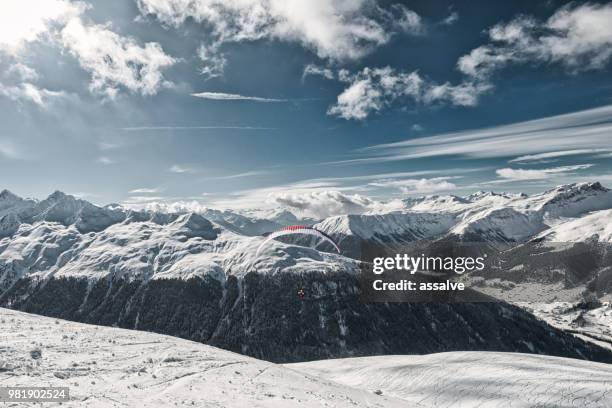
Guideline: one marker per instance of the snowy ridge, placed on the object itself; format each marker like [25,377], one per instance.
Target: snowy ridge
[187,247]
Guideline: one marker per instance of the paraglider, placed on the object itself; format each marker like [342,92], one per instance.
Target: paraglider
[301,294]
[299,229]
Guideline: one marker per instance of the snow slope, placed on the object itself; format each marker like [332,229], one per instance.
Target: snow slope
[596,225]
[109,367]
[106,366]
[474,379]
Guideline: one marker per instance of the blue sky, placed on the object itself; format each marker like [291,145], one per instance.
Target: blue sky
[321,104]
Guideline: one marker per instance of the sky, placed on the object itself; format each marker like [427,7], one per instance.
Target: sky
[322,106]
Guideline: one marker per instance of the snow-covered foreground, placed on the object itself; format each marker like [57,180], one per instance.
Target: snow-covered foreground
[475,379]
[106,366]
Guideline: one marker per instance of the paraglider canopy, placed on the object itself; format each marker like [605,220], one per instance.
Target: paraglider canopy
[299,229]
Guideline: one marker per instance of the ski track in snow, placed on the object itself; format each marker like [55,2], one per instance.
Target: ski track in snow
[109,367]
[475,379]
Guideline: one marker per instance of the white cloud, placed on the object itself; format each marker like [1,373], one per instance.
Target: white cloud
[373,89]
[22,72]
[451,19]
[145,191]
[22,88]
[214,61]
[115,61]
[588,129]
[220,96]
[413,186]
[238,175]
[148,201]
[358,100]
[313,69]
[577,36]
[554,155]
[407,20]
[24,21]
[532,174]
[321,204]
[105,160]
[177,168]
[336,29]
[156,128]
[27,92]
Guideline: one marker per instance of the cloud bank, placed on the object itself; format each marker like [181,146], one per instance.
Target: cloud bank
[335,29]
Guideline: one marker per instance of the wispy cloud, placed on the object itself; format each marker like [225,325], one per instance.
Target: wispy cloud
[344,180]
[451,19]
[554,155]
[137,201]
[584,130]
[105,160]
[178,168]
[221,96]
[9,150]
[145,191]
[22,72]
[27,92]
[108,145]
[147,128]
[238,175]
[316,70]
[531,174]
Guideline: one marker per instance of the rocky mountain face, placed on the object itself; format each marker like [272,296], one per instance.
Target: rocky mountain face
[196,275]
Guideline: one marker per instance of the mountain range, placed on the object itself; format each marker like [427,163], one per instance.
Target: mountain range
[196,276]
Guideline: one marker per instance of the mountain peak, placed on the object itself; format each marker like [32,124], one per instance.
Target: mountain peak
[579,187]
[58,195]
[7,195]
[193,224]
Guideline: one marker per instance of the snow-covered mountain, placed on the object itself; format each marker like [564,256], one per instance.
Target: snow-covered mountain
[197,275]
[593,226]
[501,219]
[106,367]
